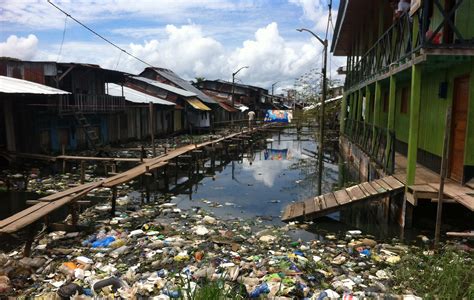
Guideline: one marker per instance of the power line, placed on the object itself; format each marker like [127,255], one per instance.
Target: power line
[62,40]
[100,36]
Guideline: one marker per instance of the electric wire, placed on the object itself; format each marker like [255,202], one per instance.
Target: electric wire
[100,36]
[62,40]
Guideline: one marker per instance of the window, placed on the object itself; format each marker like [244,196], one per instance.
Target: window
[404,107]
[385,102]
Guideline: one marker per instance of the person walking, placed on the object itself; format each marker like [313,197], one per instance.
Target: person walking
[251,115]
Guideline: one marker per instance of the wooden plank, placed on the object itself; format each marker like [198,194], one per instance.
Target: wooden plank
[309,206]
[330,200]
[402,177]
[322,203]
[298,210]
[393,182]
[369,188]
[355,193]
[384,185]
[459,193]
[287,212]
[411,199]
[377,187]
[342,197]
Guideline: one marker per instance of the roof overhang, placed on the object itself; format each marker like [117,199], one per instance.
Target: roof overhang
[356,17]
[197,104]
[135,96]
[10,85]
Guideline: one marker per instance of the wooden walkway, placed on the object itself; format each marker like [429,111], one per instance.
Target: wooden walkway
[330,202]
[50,203]
[426,186]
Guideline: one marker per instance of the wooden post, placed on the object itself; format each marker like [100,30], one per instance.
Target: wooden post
[152,128]
[147,183]
[367,114]
[114,201]
[9,125]
[359,105]
[377,98]
[142,153]
[444,167]
[83,172]
[415,104]
[63,151]
[342,119]
[29,240]
[391,116]
[74,210]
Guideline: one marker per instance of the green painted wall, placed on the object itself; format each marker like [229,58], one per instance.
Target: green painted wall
[469,153]
[433,109]
[402,121]
[464,20]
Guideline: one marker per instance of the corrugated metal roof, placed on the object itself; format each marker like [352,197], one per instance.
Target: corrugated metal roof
[134,95]
[173,77]
[167,87]
[9,85]
[227,106]
[197,104]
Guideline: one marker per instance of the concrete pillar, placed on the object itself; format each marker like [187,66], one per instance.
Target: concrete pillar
[415,101]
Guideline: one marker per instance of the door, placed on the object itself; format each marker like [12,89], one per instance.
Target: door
[458,127]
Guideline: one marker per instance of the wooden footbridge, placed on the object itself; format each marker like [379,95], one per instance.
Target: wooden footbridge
[48,204]
[331,202]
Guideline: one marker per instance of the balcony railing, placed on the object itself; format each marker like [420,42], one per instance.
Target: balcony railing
[87,103]
[373,142]
[398,43]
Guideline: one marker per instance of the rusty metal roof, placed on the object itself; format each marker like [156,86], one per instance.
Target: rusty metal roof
[10,85]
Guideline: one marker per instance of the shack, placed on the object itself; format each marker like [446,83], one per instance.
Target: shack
[197,107]
[86,117]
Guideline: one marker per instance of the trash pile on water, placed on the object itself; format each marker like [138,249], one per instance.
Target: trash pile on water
[158,250]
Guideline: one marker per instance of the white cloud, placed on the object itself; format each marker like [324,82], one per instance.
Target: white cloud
[19,47]
[40,14]
[317,12]
[190,53]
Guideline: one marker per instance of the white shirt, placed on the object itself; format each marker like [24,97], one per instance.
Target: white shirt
[251,115]
[403,6]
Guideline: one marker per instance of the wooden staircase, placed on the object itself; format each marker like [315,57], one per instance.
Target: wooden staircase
[91,134]
[322,205]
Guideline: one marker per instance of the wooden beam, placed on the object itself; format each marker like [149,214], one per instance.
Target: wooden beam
[413,129]
[376,117]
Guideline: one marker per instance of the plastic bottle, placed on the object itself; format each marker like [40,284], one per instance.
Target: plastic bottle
[259,290]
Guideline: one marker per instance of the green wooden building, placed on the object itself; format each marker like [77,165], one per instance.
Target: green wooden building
[403,73]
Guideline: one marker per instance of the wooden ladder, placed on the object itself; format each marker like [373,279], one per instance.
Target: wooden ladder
[91,134]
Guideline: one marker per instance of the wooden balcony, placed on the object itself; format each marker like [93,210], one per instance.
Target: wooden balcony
[87,103]
[406,37]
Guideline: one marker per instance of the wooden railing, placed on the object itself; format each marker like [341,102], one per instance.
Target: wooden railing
[373,141]
[87,103]
[398,43]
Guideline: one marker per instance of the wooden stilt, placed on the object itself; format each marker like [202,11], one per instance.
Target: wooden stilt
[114,201]
[83,172]
[444,167]
[29,240]
[147,183]
[63,151]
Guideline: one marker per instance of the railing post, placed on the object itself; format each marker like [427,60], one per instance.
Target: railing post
[391,116]
[376,113]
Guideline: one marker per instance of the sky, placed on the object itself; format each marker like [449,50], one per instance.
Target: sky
[194,38]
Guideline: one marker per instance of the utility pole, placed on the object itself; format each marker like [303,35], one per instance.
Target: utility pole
[321,112]
[233,84]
